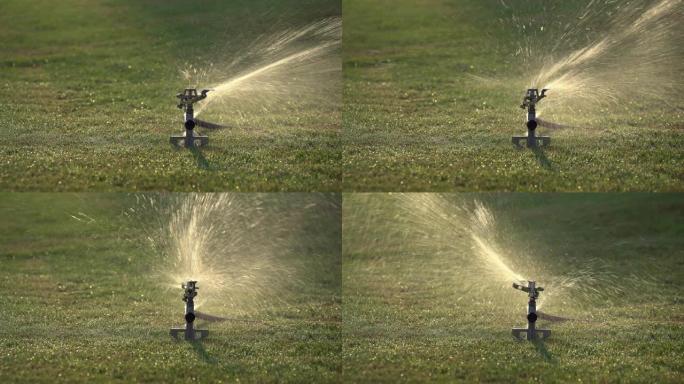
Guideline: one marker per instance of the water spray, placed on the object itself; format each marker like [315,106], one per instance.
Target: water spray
[189,139]
[190,333]
[532,333]
[532,97]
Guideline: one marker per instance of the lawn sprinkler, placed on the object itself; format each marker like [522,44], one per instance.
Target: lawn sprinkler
[531,331]
[530,103]
[189,139]
[190,333]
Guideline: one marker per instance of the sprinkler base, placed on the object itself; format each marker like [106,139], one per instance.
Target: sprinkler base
[197,141]
[536,141]
[189,334]
[531,333]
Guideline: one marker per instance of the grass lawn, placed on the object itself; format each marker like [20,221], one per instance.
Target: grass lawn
[91,104]
[416,117]
[417,307]
[80,306]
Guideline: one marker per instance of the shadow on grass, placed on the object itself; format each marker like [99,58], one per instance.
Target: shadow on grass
[541,158]
[202,162]
[202,353]
[543,352]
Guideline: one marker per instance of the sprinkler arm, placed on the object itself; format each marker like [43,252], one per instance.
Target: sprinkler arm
[190,290]
[541,95]
[531,99]
[190,97]
[201,96]
[521,287]
[525,288]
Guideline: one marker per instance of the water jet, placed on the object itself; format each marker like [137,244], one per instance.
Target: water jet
[532,97]
[189,332]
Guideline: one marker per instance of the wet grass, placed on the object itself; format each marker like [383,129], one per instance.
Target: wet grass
[414,120]
[90,99]
[407,317]
[79,305]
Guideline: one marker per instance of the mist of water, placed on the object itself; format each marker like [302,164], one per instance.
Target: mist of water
[460,241]
[243,249]
[612,59]
[280,78]
[638,59]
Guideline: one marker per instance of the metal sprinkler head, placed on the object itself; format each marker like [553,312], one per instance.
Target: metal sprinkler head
[531,332]
[187,98]
[532,97]
[190,333]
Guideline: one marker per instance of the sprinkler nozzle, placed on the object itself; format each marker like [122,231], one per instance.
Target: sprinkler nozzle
[190,288]
[530,288]
[189,97]
[532,97]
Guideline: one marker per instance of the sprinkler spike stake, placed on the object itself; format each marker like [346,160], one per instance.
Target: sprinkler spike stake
[187,98]
[190,333]
[532,97]
[531,332]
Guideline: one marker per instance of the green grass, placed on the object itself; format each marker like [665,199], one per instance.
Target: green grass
[90,99]
[413,119]
[78,305]
[416,313]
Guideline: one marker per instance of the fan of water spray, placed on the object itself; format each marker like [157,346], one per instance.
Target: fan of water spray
[612,60]
[285,73]
[239,248]
[477,255]
[482,226]
[583,282]
[569,281]
[612,57]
